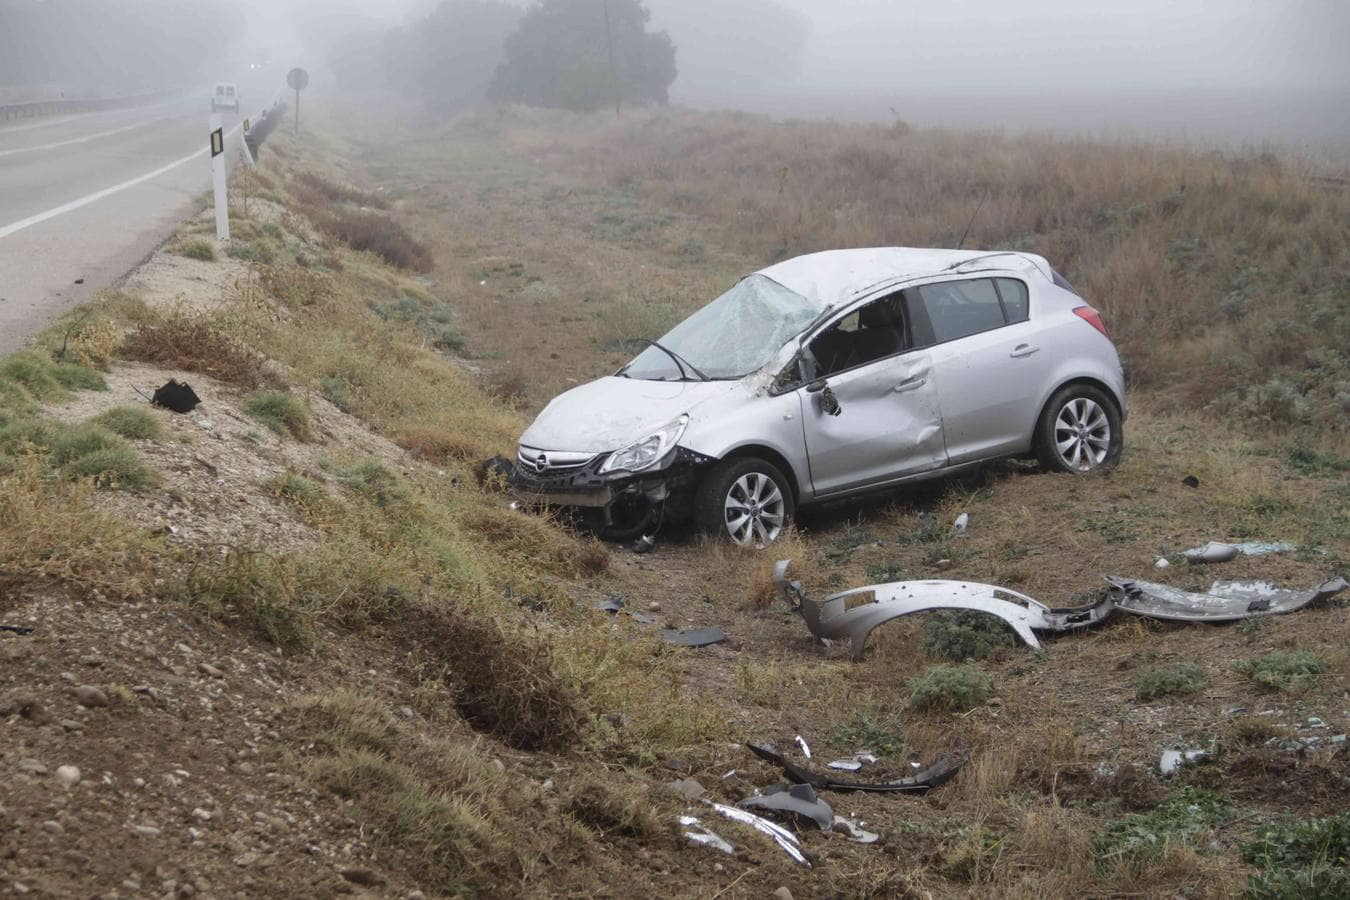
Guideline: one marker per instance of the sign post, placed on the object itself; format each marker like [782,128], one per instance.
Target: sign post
[218,178]
[298,79]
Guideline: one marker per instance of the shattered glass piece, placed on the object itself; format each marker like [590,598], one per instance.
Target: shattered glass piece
[693,637]
[853,831]
[1225,602]
[799,800]
[784,838]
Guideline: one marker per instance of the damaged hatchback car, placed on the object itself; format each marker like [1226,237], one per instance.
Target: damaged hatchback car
[830,375]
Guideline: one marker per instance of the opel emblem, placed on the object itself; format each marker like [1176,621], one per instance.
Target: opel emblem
[541,463]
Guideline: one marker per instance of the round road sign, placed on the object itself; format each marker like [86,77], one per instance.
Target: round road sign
[297,79]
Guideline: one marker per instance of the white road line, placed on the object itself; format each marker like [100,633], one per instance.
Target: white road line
[81,140]
[20,225]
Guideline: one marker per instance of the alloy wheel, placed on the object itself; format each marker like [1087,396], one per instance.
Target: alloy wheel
[754,510]
[1082,434]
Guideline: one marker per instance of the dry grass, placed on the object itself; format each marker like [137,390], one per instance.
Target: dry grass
[192,343]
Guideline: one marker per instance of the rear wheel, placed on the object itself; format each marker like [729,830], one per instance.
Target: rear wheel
[746,500]
[1079,431]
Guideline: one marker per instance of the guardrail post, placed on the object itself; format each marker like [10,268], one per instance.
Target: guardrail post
[218,177]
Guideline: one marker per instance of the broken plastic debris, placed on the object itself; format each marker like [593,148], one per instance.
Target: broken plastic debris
[853,831]
[784,838]
[17,629]
[694,637]
[700,834]
[852,763]
[1161,563]
[177,396]
[801,742]
[938,773]
[611,604]
[961,522]
[830,619]
[1175,759]
[644,544]
[1215,552]
[1191,481]
[799,800]
[1225,602]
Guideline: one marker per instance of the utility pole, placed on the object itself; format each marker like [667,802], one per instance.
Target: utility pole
[613,73]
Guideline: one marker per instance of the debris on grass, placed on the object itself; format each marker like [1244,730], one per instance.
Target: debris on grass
[176,396]
[1225,601]
[799,801]
[940,772]
[1172,760]
[699,834]
[1216,552]
[781,836]
[854,831]
[693,637]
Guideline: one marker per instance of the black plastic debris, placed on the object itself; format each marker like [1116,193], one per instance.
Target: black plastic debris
[938,773]
[1191,481]
[495,471]
[694,637]
[177,396]
[17,629]
[797,800]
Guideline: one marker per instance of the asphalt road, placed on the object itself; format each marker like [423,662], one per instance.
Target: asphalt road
[85,198]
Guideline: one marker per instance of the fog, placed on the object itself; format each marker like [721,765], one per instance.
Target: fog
[1211,70]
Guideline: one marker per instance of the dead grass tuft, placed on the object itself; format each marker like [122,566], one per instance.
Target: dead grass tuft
[614,811]
[191,343]
[537,542]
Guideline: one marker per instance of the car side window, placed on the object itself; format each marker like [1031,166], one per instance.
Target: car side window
[1014,296]
[960,308]
[873,332]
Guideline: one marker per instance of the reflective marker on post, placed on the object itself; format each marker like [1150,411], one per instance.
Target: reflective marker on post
[218,178]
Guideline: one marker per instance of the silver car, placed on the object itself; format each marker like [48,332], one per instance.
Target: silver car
[830,375]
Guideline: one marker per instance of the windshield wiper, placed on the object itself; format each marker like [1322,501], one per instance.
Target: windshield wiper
[679,361]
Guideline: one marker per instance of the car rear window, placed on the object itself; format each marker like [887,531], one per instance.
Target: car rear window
[1014,296]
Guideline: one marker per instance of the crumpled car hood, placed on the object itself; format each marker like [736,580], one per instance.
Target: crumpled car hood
[613,412]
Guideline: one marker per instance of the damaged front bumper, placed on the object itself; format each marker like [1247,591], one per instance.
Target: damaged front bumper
[551,478]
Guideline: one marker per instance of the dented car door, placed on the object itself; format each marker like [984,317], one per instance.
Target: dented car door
[871,414]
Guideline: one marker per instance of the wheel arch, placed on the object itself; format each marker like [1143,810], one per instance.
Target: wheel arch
[1097,383]
[769,455]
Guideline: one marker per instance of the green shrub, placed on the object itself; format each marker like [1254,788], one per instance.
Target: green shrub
[132,422]
[116,466]
[68,444]
[44,379]
[1143,836]
[1301,859]
[199,249]
[337,391]
[1284,670]
[1182,678]
[959,635]
[297,490]
[78,378]
[950,688]
[282,413]
[377,483]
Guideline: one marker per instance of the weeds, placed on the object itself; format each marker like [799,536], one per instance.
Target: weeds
[1182,678]
[198,249]
[959,635]
[1284,670]
[282,413]
[192,344]
[1300,859]
[132,422]
[950,689]
[1140,837]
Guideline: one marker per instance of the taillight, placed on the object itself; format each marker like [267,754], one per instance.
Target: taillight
[1093,318]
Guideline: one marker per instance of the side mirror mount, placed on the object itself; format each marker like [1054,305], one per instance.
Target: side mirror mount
[829,403]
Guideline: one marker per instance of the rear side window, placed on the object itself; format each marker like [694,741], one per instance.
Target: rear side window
[1013,293]
[960,308]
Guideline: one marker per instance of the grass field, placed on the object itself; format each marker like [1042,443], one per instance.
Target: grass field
[438,284]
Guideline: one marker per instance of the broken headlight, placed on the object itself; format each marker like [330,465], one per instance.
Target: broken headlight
[642,454]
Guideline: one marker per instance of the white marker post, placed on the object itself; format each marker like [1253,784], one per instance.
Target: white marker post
[218,177]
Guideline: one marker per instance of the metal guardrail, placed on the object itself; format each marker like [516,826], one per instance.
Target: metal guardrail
[34,108]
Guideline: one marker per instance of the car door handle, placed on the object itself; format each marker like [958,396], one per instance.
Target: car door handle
[912,384]
[1023,350]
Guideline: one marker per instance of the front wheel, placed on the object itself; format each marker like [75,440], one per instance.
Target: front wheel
[1079,431]
[746,500]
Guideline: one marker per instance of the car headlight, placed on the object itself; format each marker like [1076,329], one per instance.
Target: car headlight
[641,454]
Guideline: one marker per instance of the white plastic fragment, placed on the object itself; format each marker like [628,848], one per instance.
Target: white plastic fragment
[1175,759]
[784,838]
[1161,563]
[853,831]
[801,742]
[848,765]
[961,522]
[699,834]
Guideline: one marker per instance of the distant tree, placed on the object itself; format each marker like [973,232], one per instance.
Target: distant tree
[585,54]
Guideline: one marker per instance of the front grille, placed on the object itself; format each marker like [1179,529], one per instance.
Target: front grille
[556,462]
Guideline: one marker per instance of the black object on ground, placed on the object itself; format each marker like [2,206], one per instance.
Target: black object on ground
[1191,481]
[177,396]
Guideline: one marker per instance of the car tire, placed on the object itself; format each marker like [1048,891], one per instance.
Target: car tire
[1079,431]
[750,484]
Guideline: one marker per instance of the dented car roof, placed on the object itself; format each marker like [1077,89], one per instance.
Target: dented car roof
[831,277]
